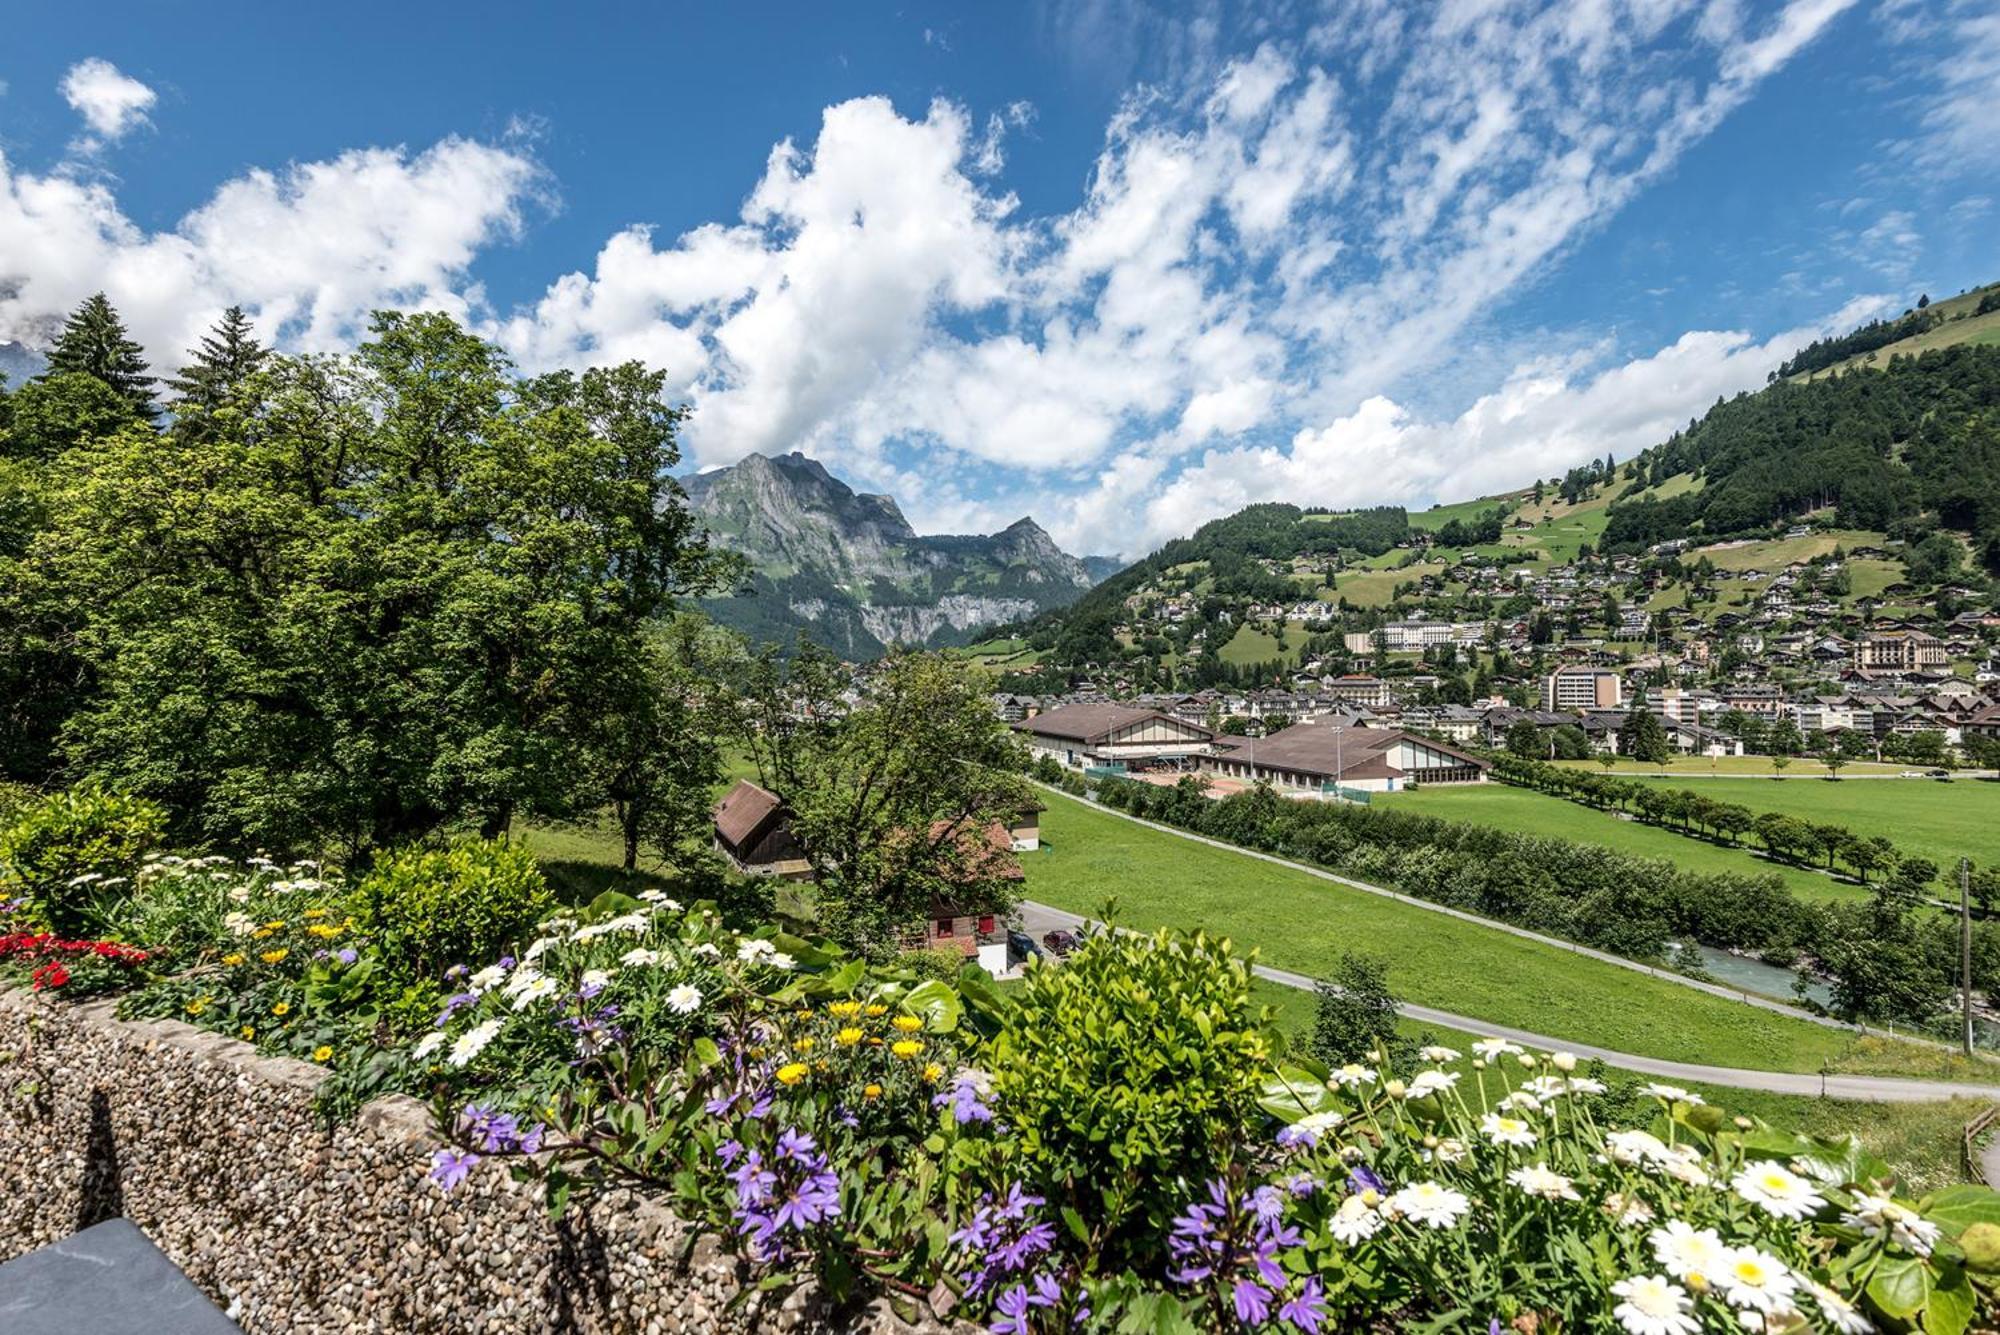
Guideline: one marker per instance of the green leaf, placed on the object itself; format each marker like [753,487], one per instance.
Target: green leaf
[1901,1288]
[938,1003]
[1956,1208]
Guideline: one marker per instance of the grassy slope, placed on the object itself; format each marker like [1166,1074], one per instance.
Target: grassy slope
[1530,812]
[1702,767]
[1939,821]
[1301,922]
[1969,329]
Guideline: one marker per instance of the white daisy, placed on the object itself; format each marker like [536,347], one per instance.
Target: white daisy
[639,955]
[685,999]
[1541,1181]
[780,960]
[1493,1048]
[1546,1087]
[1777,1189]
[1627,1211]
[535,949]
[1521,1101]
[1634,1147]
[1875,1215]
[1563,1061]
[1432,1204]
[1683,1164]
[239,924]
[1687,1252]
[1756,1281]
[472,1042]
[487,978]
[1354,1221]
[1353,1074]
[1654,1305]
[594,978]
[1839,1313]
[1426,1083]
[1435,1053]
[428,1044]
[1583,1084]
[1502,1130]
[1675,1094]
[753,950]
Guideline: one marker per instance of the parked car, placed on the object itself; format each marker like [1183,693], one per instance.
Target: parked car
[1021,946]
[1059,943]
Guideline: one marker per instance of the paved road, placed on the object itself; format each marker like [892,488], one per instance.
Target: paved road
[1039,918]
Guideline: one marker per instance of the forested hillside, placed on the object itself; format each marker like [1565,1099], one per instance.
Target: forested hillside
[1900,449]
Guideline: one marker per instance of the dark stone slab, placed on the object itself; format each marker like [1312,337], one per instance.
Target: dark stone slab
[107,1280]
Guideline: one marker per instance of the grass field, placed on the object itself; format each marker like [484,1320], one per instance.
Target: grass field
[1969,328]
[1919,1139]
[1376,588]
[1771,553]
[1939,821]
[1252,644]
[1527,811]
[1301,922]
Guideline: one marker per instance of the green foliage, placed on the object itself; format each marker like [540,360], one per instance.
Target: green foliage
[1354,1013]
[1128,1073]
[369,597]
[1643,738]
[62,849]
[464,903]
[893,799]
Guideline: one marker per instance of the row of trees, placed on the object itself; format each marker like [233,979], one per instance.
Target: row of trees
[1786,838]
[330,604]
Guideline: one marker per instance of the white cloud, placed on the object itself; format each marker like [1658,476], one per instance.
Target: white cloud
[110,101]
[1267,254]
[310,250]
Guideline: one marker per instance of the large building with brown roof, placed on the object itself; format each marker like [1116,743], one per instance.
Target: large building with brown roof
[754,832]
[1112,734]
[1312,756]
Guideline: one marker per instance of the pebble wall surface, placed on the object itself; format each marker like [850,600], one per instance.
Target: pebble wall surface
[215,1152]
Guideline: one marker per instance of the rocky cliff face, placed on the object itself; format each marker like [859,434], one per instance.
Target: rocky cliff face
[848,569]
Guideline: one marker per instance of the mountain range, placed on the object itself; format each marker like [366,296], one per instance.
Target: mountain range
[848,570]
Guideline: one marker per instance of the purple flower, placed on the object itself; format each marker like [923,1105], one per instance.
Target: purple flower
[499,1132]
[1362,1178]
[1005,1238]
[449,1167]
[347,954]
[1307,1310]
[964,1096]
[506,961]
[1012,1307]
[456,972]
[795,1191]
[1253,1303]
[453,1004]
[1296,1137]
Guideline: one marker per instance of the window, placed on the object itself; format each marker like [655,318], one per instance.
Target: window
[986,924]
[944,926]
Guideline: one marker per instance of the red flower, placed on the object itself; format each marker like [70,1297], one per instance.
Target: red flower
[50,975]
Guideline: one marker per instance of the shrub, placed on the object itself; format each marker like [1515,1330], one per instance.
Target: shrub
[1129,1070]
[939,962]
[1354,1018]
[71,854]
[466,901]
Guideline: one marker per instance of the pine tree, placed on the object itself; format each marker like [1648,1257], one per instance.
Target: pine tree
[228,354]
[94,343]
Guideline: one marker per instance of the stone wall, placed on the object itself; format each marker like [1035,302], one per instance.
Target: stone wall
[214,1151]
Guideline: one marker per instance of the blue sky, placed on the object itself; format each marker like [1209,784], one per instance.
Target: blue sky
[1123,266]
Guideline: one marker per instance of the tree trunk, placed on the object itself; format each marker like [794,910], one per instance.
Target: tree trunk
[498,820]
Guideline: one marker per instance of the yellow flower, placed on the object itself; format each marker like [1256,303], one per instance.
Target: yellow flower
[314,913]
[233,958]
[806,1044]
[871,1091]
[274,924]
[791,1073]
[875,1009]
[274,956]
[322,1053]
[324,931]
[909,1024]
[247,1032]
[933,1072]
[906,1048]
[848,1037]
[846,1010]
[282,1008]
[197,1006]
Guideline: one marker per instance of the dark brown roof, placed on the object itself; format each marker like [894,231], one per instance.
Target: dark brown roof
[1337,753]
[1093,722]
[743,811]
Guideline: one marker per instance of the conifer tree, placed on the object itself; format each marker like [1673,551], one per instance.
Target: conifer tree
[228,354]
[94,343]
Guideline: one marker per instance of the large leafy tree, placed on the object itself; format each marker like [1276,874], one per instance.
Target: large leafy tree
[93,342]
[388,592]
[891,794]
